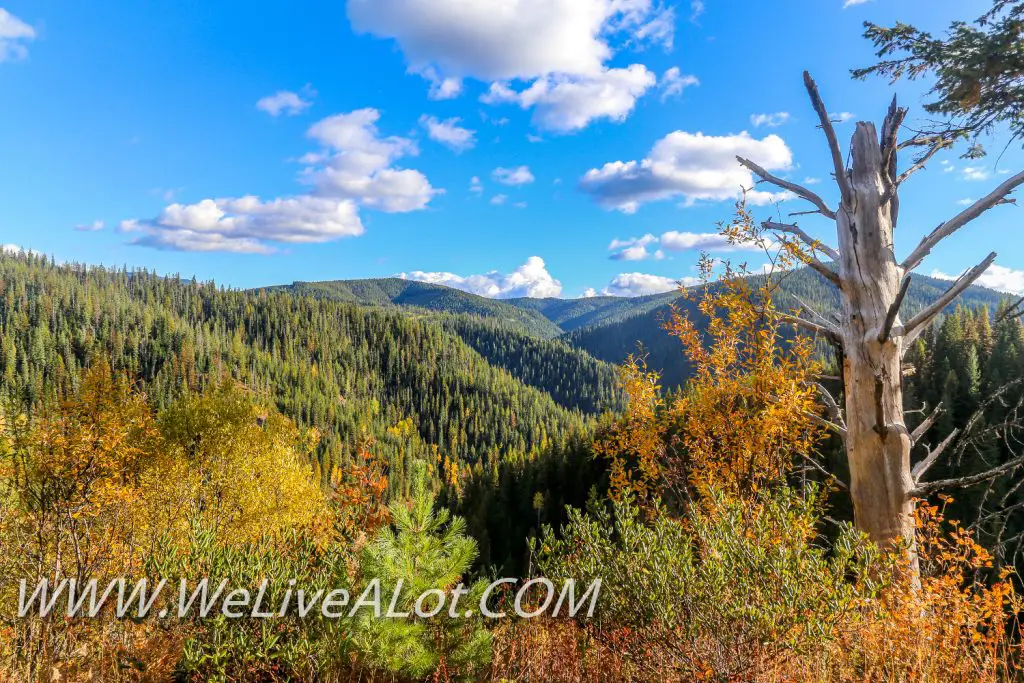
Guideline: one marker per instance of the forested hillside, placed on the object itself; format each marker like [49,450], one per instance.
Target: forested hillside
[413,294]
[642,333]
[410,384]
[605,327]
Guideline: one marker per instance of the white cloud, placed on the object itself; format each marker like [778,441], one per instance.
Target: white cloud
[442,88]
[810,180]
[842,116]
[90,227]
[558,48]
[692,166]
[588,293]
[499,199]
[696,10]
[769,120]
[246,224]
[475,186]
[449,133]
[975,173]
[563,104]
[642,284]
[498,40]
[17,250]
[283,102]
[14,33]
[673,82]
[965,202]
[851,3]
[636,248]
[703,241]
[520,175]
[531,279]
[359,165]
[999,278]
[354,169]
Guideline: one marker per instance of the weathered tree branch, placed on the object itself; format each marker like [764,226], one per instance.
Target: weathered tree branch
[831,476]
[923,428]
[1012,311]
[997,196]
[828,424]
[809,325]
[920,321]
[804,237]
[920,468]
[963,482]
[923,160]
[833,408]
[798,190]
[825,322]
[830,134]
[890,316]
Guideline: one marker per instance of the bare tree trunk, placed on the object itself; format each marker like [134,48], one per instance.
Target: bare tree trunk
[877,442]
[869,332]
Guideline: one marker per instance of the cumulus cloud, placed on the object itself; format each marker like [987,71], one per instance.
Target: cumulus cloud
[283,102]
[531,279]
[851,3]
[449,133]
[975,173]
[359,165]
[643,284]
[14,33]
[18,250]
[842,116]
[475,186]
[246,224]
[499,199]
[769,120]
[355,168]
[90,227]
[563,104]
[703,241]
[520,175]
[690,166]
[999,278]
[442,88]
[635,249]
[639,248]
[522,39]
[673,82]
[558,48]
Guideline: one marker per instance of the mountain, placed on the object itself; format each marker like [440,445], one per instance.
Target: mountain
[608,328]
[412,294]
[642,331]
[454,390]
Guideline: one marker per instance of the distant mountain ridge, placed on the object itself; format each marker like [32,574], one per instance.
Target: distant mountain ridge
[607,328]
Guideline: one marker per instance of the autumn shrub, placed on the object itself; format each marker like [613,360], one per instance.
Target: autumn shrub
[96,486]
[955,627]
[747,417]
[737,588]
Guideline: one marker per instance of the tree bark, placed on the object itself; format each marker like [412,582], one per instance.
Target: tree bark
[877,442]
[871,337]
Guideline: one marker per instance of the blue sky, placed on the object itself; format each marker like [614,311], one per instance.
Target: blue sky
[264,142]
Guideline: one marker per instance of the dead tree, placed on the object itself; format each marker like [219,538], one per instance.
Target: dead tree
[870,331]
